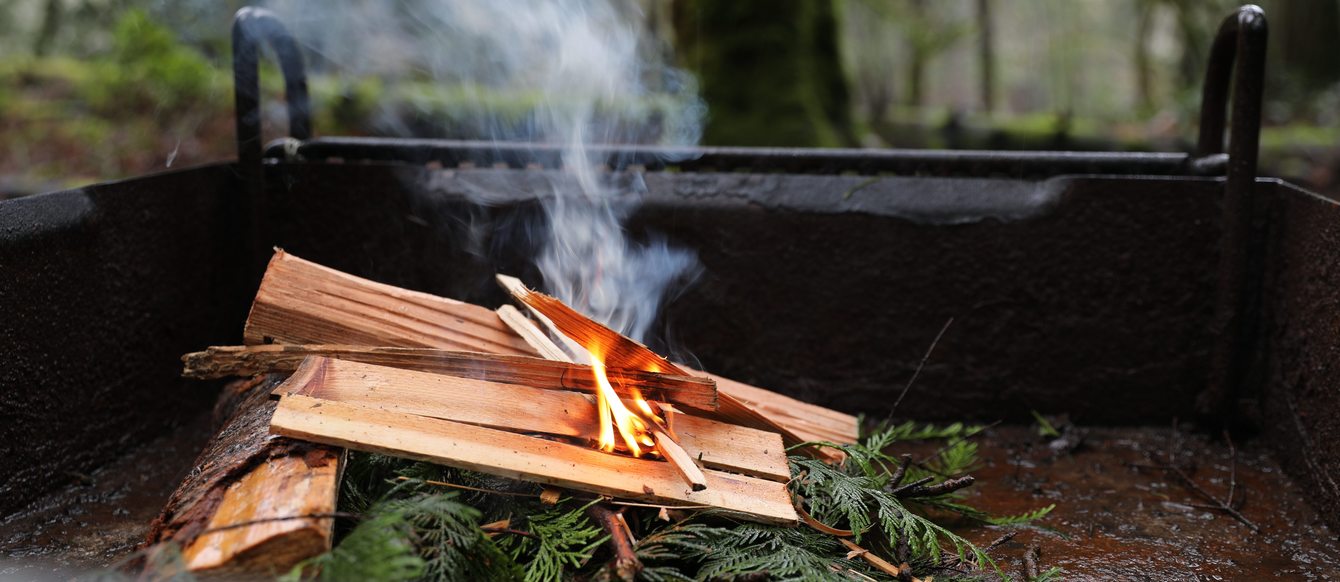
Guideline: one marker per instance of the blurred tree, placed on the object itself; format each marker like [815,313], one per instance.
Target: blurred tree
[51,19]
[769,71]
[1303,35]
[1143,61]
[930,30]
[986,55]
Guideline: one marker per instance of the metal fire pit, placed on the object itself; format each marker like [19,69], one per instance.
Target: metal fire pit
[1122,288]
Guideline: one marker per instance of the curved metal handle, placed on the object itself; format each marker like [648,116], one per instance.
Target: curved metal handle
[251,26]
[1239,54]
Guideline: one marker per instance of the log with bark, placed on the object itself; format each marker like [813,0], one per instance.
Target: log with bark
[254,503]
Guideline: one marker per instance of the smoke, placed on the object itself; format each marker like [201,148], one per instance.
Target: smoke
[571,73]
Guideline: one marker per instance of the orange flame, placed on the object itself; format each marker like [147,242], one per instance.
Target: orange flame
[634,430]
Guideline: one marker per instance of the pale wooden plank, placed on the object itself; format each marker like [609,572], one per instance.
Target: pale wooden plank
[301,302]
[526,458]
[533,335]
[510,407]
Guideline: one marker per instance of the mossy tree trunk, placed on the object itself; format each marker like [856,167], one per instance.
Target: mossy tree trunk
[769,70]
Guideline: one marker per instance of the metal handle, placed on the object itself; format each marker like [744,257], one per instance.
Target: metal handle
[1239,53]
[251,26]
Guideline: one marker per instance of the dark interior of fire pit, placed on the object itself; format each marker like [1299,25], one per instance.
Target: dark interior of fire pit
[1086,295]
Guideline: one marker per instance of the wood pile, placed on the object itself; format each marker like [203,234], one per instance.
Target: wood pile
[373,367]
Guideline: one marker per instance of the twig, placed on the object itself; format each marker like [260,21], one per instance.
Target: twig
[250,522]
[1031,562]
[879,563]
[1186,480]
[626,566]
[920,365]
[953,562]
[1232,468]
[1198,490]
[469,488]
[946,486]
[913,485]
[902,470]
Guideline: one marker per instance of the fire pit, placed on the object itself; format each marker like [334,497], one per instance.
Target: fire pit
[1124,289]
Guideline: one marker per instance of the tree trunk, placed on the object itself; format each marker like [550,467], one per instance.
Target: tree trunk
[986,54]
[51,21]
[1304,33]
[770,71]
[1144,74]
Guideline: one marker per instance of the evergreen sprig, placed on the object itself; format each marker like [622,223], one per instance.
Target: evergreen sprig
[562,540]
[412,529]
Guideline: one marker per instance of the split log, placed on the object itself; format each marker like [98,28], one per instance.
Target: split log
[515,408]
[621,351]
[246,476]
[222,361]
[301,302]
[515,456]
[294,291]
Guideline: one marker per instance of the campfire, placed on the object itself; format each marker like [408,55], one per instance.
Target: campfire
[555,398]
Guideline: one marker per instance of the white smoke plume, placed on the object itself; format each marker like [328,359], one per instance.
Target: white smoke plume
[587,71]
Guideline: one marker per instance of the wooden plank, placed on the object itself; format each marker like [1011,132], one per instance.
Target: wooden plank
[718,445]
[216,362]
[809,421]
[533,335]
[301,302]
[526,458]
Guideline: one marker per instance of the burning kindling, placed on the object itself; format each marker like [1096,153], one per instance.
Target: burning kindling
[386,370]
[555,408]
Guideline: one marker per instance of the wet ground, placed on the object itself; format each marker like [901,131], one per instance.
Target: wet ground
[98,518]
[1117,517]
[1120,516]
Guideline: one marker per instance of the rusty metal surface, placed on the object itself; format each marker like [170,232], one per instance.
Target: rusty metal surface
[1300,377]
[102,290]
[1116,521]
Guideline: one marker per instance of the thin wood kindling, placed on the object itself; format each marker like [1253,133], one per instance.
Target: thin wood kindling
[516,408]
[220,361]
[624,352]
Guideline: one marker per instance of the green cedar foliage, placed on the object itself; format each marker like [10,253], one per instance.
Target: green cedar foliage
[415,530]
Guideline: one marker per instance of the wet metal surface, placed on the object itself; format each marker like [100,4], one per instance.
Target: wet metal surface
[1117,520]
[98,518]
[1113,519]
